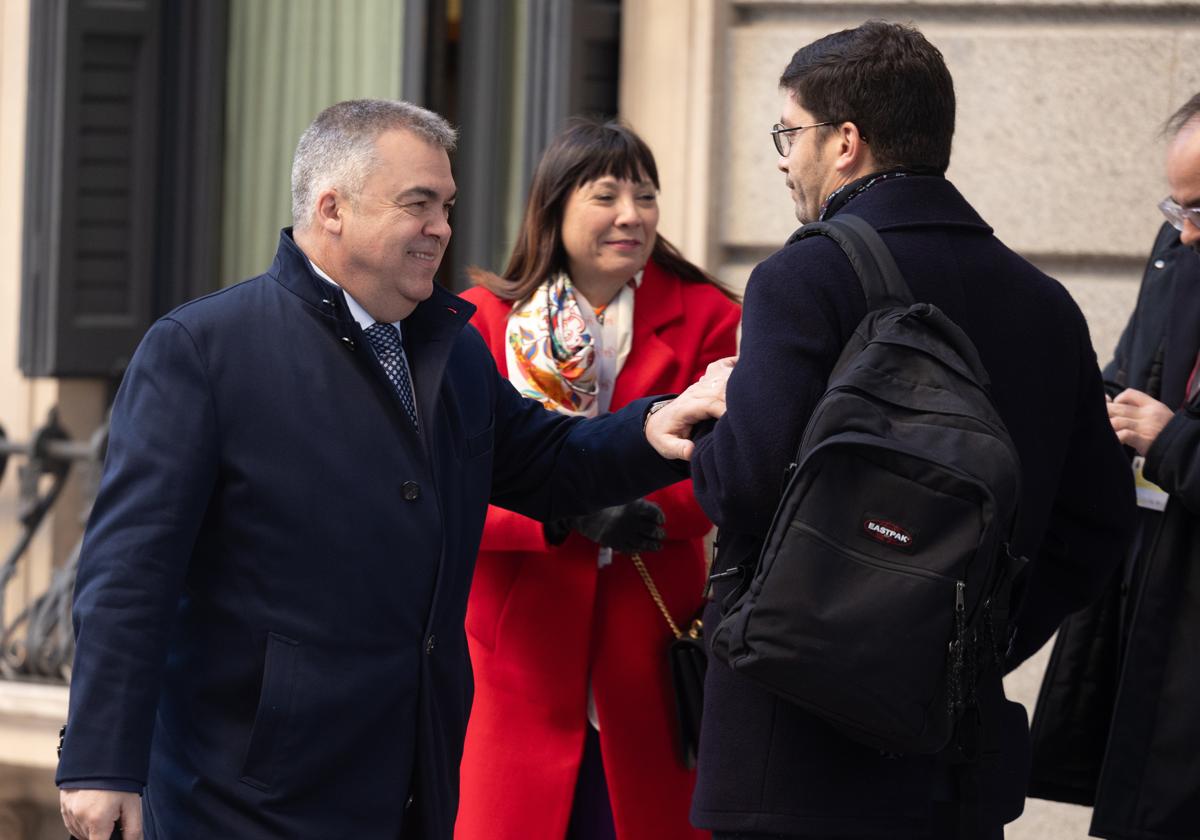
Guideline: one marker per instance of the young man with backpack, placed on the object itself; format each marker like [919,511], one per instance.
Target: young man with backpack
[866,129]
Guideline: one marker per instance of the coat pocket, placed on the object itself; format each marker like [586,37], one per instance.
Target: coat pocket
[265,751]
[1004,767]
[481,443]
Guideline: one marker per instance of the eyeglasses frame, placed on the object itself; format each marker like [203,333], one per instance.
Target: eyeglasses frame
[780,129]
[1176,213]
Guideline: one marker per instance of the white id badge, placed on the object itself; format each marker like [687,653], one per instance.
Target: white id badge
[1149,495]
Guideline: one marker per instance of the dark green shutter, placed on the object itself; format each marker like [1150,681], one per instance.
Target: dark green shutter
[91,173]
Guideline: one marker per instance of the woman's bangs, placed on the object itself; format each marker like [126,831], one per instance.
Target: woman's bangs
[621,159]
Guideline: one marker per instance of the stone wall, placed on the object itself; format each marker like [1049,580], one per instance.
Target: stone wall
[1060,106]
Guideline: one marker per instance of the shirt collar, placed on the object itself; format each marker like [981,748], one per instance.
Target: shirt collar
[361,315]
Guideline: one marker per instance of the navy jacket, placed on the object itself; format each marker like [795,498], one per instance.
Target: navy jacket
[764,764]
[270,602]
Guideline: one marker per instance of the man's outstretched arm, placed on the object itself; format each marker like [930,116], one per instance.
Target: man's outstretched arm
[669,429]
[548,466]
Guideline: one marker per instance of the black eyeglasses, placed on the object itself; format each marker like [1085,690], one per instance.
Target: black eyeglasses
[1177,215]
[782,136]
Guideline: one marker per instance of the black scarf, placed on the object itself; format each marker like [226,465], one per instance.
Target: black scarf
[838,199]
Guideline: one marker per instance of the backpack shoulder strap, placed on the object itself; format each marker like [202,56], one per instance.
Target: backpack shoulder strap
[882,282]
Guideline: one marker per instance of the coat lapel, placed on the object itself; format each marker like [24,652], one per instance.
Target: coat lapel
[653,366]
[429,332]
[429,335]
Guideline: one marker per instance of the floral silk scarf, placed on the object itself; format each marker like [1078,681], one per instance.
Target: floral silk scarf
[556,343]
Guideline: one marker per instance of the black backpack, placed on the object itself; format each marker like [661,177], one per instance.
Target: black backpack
[881,594]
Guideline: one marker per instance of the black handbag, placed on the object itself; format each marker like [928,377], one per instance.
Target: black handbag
[686,661]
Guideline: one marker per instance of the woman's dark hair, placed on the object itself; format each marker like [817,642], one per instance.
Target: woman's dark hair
[887,80]
[587,149]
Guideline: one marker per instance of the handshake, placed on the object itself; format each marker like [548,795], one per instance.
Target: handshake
[638,526]
[669,429]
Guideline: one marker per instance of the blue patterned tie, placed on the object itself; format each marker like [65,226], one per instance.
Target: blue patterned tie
[386,341]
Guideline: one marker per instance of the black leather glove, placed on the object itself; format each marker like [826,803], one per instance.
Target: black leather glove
[636,526]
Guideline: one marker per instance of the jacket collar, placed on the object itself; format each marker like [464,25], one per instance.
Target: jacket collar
[1183,321]
[653,365]
[429,331]
[442,313]
[915,201]
[660,299]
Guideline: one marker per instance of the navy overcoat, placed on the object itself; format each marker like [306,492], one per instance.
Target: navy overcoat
[764,764]
[270,602]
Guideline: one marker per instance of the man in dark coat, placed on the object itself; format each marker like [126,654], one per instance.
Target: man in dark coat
[868,116]
[1116,723]
[270,602]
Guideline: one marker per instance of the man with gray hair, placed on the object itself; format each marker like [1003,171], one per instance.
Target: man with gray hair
[270,601]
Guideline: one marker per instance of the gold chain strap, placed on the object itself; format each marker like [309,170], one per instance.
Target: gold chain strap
[662,607]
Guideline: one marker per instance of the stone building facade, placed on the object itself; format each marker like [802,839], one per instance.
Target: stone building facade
[1060,103]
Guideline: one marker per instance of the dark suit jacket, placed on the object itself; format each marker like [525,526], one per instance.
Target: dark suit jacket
[269,609]
[764,764]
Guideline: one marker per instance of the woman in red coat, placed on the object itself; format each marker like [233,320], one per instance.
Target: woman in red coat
[572,734]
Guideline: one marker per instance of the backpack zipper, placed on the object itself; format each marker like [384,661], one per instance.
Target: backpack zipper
[874,562]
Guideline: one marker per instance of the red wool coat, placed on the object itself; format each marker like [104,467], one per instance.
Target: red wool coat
[541,619]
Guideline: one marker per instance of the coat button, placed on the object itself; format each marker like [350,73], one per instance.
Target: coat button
[411,491]
[430,644]
[408,803]
[1160,264]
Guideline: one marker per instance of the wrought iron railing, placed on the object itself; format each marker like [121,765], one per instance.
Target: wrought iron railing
[38,643]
